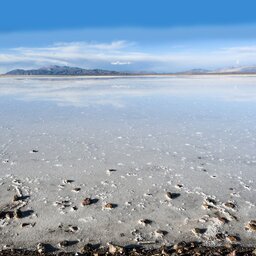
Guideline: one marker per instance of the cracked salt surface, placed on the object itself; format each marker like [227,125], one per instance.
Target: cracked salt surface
[129,147]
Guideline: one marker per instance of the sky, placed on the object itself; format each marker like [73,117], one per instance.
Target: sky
[153,36]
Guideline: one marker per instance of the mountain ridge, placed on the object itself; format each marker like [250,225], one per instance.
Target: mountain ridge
[63,70]
[77,71]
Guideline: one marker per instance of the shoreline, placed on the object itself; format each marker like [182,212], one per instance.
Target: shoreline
[182,248]
[132,75]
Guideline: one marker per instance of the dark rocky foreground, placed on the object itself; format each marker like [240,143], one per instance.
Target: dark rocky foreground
[175,250]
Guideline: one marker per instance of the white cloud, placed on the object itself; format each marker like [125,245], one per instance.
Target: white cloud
[121,63]
[120,53]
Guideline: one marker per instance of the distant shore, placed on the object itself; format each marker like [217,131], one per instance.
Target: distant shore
[130,75]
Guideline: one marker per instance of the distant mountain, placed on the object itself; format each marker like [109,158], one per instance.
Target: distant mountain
[195,71]
[64,70]
[75,71]
[231,70]
[237,70]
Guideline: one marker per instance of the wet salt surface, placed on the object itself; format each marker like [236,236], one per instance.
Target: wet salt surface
[190,136]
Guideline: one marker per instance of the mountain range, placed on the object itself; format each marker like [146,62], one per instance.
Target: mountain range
[76,71]
[63,70]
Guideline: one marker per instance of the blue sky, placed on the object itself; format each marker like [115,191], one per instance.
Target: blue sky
[162,36]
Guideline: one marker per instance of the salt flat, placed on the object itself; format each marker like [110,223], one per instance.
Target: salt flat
[128,141]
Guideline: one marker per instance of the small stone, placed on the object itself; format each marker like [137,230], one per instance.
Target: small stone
[18,214]
[251,226]
[15,198]
[73,228]
[86,249]
[232,239]
[109,171]
[9,215]
[160,233]
[145,222]
[76,190]
[171,196]
[198,231]
[86,201]
[228,245]
[34,151]
[233,253]
[7,247]
[179,246]
[210,201]
[115,249]
[230,205]
[207,206]
[220,236]
[63,243]
[109,206]
[74,208]
[67,181]
[41,248]
[223,220]
[165,251]
[179,186]
[25,225]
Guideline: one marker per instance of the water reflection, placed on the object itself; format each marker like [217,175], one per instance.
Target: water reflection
[117,91]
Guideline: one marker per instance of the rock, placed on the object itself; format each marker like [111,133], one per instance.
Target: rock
[220,236]
[41,248]
[254,252]
[171,196]
[222,220]
[210,201]
[76,190]
[109,206]
[160,233]
[109,171]
[232,239]
[86,249]
[17,214]
[25,224]
[251,226]
[177,246]
[145,222]
[74,208]
[179,186]
[207,206]
[230,205]
[228,245]
[86,201]
[34,151]
[115,249]
[233,253]
[165,251]
[15,198]
[73,228]
[198,231]
[67,181]
[7,247]
[63,243]
[9,215]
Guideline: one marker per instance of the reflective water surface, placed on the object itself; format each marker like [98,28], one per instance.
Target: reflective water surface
[199,131]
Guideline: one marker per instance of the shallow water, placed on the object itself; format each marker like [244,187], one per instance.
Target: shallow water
[144,117]
[198,131]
